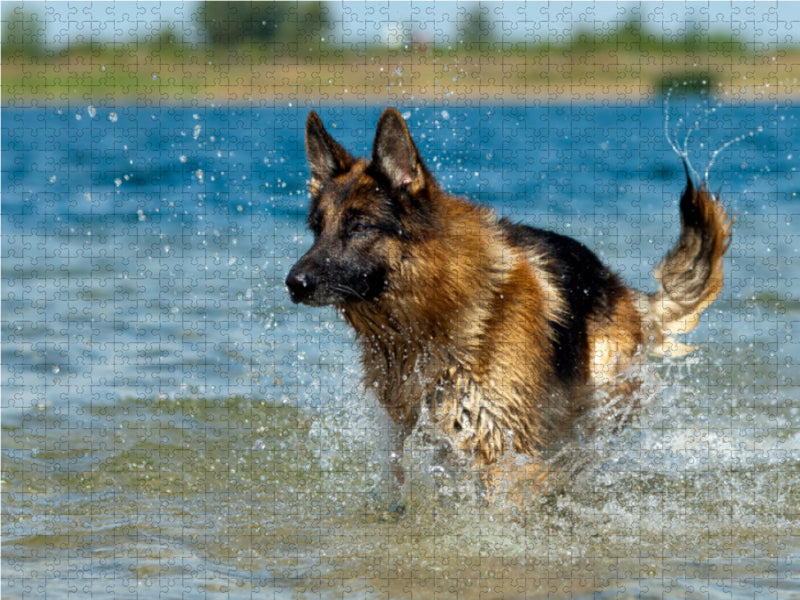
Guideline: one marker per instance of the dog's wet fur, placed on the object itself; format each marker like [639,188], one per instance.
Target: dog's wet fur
[505,332]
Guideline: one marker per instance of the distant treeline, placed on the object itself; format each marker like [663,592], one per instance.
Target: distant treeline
[243,51]
[311,29]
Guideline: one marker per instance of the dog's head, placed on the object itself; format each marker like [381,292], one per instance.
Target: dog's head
[362,214]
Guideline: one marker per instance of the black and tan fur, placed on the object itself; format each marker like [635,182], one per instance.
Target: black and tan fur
[504,331]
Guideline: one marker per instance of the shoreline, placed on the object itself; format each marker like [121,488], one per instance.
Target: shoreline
[400,79]
[622,96]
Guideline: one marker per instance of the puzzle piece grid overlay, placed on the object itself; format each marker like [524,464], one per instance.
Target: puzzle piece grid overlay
[174,426]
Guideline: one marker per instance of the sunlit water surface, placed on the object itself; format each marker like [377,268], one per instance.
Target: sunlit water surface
[174,427]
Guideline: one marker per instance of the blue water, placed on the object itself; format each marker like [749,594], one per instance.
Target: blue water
[143,257]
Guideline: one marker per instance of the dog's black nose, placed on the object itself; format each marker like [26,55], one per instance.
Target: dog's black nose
[301,284]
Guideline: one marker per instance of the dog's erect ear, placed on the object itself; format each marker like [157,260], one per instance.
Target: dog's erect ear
[325,156]
[394,152]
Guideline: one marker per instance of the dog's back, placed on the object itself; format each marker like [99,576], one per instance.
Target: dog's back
[592,296]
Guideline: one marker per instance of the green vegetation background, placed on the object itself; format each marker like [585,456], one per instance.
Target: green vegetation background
[284,50]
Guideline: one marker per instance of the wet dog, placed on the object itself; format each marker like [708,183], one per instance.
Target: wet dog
[506,333]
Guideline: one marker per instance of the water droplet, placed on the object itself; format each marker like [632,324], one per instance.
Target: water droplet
[112,117]
[92,111]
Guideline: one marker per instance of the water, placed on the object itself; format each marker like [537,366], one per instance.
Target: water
[174,427]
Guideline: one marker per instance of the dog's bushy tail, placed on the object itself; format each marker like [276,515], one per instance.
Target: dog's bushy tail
[690,275]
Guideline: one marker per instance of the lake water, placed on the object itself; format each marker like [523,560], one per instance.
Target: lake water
[174,427]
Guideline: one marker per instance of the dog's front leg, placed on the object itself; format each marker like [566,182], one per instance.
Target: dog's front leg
[472,420]
[397,438]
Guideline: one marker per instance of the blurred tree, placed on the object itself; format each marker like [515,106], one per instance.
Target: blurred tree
[698,38]
[232,23]
[629,34]
[476,28]
[23,32]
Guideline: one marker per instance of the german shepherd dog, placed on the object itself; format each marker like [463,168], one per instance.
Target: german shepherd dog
[505,332]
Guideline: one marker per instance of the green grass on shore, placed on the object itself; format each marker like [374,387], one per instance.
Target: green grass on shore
[576,71]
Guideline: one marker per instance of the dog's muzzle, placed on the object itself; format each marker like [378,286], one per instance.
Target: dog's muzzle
[301,284]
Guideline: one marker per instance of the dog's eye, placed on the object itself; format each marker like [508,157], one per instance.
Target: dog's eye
[360,227]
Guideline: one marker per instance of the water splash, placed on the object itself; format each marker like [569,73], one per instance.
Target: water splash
[727,144]
[705,117]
